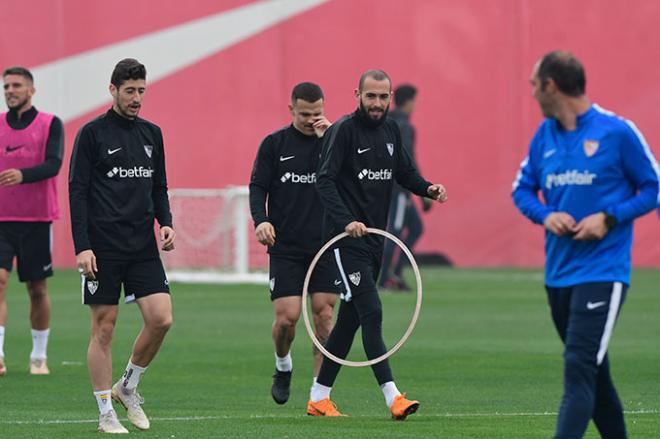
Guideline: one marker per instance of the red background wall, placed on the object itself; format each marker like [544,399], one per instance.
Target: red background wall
[471,60]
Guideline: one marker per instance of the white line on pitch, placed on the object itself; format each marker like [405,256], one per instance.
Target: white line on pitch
[211,418]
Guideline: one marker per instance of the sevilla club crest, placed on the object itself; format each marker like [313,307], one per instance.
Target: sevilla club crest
[590,147]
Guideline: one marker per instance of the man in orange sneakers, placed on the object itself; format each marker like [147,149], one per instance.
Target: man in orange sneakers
[362,154]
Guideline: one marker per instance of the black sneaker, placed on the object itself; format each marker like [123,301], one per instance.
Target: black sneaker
[281,386]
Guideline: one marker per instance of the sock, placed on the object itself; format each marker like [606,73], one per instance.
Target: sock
[319,392]
[131,378]
[2,342]
[284,364]
[39,343]
[314,380]
[104,401]
[390,392]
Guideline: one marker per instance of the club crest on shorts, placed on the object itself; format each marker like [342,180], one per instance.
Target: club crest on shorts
[590,147]
[390,148]
[272,284]
[92,286]
[149,149]
[355,278]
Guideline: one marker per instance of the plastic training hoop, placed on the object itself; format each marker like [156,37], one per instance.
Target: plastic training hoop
[418,305]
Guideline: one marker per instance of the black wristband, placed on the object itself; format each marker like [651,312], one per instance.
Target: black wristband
[610,221]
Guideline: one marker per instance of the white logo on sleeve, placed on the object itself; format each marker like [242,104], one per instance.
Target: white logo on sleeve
[112,151]
[594,305]
[361,151]
[92,286]
[390,148]
[355,278]
[284,159]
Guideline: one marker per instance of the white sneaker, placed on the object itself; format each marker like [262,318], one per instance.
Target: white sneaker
[131,402]
[38,366]
[108,423]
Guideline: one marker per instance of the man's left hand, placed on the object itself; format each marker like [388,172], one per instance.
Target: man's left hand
[320,126]
[591,227]
[437,192]
[11,177]
[167,238]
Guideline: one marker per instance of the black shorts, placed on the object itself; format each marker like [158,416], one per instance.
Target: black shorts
[287,276]
[358,269]
[140,278]
[31,243]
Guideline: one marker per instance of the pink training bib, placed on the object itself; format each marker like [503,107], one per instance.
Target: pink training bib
[24,149]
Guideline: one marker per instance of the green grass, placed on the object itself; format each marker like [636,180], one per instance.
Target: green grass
[484,361]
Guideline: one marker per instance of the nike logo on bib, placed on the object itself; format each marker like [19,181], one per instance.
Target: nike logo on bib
[594,305]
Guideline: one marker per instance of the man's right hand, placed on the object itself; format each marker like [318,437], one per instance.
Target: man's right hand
[265,233]
[356,229]
[560,223]
[86,261]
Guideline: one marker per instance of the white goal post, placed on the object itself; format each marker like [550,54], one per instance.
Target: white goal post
[215,241]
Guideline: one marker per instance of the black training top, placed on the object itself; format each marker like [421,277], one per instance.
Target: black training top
[285,172]
[117,186]
[54,145]
[359,161]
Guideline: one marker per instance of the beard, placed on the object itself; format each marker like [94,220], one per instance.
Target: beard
[126,111]
[368,120]
[21,103]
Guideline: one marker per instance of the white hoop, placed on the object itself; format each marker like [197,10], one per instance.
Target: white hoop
[418,305]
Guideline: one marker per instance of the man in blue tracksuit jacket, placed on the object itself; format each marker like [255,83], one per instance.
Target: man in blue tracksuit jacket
[597,175]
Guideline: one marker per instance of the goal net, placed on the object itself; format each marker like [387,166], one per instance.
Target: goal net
[215,242]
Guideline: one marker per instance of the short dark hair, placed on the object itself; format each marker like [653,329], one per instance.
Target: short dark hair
[404,93]
[378,75]
[127,69]
[566,70]
[18,70]
[307,91]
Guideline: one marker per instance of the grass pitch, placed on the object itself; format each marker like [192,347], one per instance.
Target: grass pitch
[484,361]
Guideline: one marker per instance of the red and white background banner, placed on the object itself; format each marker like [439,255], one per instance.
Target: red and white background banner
[220,73]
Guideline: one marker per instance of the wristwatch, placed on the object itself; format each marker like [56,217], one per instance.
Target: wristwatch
[610,220]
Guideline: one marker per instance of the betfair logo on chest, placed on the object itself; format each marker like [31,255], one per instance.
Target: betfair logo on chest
[134,172]
[292,177]
[570,178]
[382,174]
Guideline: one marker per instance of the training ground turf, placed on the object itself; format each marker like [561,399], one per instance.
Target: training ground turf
[484,361]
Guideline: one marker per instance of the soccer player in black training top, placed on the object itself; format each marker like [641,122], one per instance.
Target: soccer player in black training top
[284,173]
[117,187]
[362,153]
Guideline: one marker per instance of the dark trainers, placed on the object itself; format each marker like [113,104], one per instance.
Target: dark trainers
[281,386]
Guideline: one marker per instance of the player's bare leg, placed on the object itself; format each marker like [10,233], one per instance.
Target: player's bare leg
[40,320]
[4,280]
[157,315]
[287,312]
[322,311]
[99,363]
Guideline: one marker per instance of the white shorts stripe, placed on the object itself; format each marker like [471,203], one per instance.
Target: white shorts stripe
[400,211]
[347,295]
[82,289]
[615,302]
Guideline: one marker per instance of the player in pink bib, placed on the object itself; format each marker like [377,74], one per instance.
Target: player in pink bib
[31,147]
